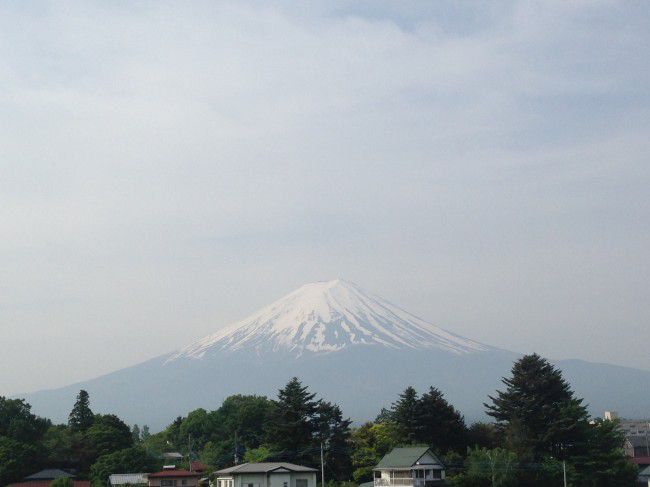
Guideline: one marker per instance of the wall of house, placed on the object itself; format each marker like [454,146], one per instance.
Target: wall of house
[257,479]
[176,482]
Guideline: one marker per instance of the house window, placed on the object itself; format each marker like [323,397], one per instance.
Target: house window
[167,483]
[301,482]
[184,482]
[285,484]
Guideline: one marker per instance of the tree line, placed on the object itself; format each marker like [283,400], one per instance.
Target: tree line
[540,430]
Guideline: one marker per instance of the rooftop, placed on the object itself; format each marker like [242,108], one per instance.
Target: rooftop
[264,467]
[174,473]
[49,474]
[402,457]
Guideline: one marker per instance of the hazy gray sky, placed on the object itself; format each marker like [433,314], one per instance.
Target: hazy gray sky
[166,168]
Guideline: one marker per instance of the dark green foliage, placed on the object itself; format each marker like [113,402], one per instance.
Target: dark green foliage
[334,432]
[135,459]
[17,459]
[489,468]
[439,424]
[81,417]
[538,412]
[67,448]
[108,434]
[404,413]
[291,429]
[428,420]
[602,461]
[21,433]
[483,435]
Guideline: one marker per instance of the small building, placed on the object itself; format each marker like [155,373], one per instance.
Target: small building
[637,446]
[172,457]
[45,477]
[173,478]
[128,479]
[267,474]
[415,466]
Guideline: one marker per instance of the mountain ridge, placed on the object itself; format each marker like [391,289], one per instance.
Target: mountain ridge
[378,349]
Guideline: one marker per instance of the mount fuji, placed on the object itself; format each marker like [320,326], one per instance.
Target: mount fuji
[349,346]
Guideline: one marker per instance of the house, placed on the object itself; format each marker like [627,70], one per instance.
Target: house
[128,479]
[644,477]
[268,474]
[415,466]
[637,446]
[173,478]
[45,477]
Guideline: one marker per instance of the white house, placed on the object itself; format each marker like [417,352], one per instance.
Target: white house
[269,474]
[409,467]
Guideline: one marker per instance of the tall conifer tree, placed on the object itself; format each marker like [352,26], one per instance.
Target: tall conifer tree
[404,413]
[291,429]
[81,417]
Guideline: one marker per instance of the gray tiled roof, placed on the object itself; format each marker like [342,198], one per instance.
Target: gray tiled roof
[264,467]
[49,474]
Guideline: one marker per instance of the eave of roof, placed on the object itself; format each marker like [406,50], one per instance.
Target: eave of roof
[404,457]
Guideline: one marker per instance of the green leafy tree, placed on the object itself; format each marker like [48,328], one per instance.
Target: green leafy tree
[405,414]
[439,424]
[370,442]
[17,459]
[256,455]
[489,468]
[291,429]
[108,434]
[21,433]
[62,482]
[134,459]
[81,417]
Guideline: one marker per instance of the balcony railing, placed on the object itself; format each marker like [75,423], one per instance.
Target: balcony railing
[405,482]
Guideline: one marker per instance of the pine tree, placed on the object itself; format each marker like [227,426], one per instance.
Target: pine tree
[440,425]
[404,413]
[292,426]
[538,412]
[81,417]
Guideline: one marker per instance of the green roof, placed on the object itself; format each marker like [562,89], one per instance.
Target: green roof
[402,457]
[645,472]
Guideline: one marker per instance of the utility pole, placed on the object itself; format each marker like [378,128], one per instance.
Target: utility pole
[189,450]
[236,450]
[322,466]
[564,471]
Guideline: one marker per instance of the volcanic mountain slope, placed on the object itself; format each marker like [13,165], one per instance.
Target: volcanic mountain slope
[351,347]
[325,317]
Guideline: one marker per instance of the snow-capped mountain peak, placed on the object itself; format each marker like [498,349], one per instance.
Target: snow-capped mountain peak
[327,316]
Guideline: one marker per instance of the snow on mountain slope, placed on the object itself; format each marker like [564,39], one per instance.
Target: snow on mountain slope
[324,317]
